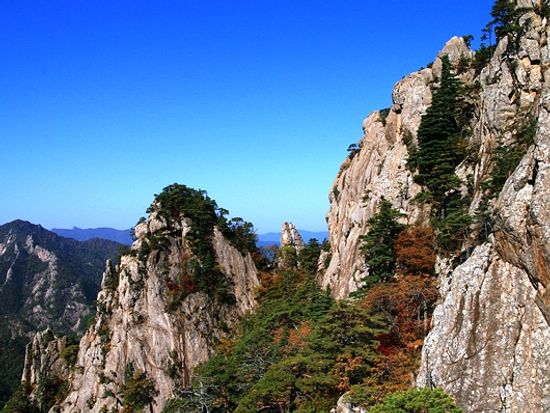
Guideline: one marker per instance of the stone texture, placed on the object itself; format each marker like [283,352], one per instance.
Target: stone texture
[344,407]
[489,345]
[290,237]
[135,324]
[43,363]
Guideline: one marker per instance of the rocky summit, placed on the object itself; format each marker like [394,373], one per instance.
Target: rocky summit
[155,315]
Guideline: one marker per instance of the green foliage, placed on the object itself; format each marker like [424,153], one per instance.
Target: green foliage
[417,401]
[20,402]
[507,158]
[378,245]
[50,391]
[69,354]
[452,224]
[441,148]
[468,40]
[297,352]
[543,9]
[308,257]
[505,15]
[482,57]
[383,113]
[138,391]
[201,272]
[353,149]
[238,232]
[12,357]
[439,136]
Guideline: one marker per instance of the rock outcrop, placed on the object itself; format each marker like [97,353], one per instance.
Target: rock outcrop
[493,321]
[153,318]
[48,361]
[290,237]
[489,345]
[378,169]
[291,245]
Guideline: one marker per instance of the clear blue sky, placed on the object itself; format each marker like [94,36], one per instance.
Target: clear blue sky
[103,103]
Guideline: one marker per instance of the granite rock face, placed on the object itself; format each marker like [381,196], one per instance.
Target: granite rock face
[290,237]
[493,322]
[142,323]
[46,364]
[489,345]
[378,169]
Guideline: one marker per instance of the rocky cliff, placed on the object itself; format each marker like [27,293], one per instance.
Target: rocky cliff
[158,313]
[489,343]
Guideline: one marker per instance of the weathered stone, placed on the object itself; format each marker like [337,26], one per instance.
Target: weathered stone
[489,346]
[290,237]
[138,322]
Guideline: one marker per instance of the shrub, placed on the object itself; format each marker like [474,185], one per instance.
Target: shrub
[138,391]
[417,401]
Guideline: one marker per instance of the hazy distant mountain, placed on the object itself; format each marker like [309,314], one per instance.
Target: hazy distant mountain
[274,238]
[45,281]
[122,236]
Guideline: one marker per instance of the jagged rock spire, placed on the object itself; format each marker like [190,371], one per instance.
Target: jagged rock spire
[291,237]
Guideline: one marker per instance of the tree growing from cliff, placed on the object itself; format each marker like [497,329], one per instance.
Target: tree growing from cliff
[138,392]
[378,245]
[438,136]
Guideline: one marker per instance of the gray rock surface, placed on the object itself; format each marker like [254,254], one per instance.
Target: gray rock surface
[489,345]
[138,324]
[290,237]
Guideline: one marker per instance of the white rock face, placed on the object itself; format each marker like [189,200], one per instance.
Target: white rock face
[344,407]
[493,322]
[489,345]
[139,324]
[291,237]
[43,362]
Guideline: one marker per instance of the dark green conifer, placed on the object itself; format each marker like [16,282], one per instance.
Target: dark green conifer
[438,135]
[378,244]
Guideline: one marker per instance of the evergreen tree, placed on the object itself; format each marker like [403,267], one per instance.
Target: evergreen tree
[309,256]
[378,244]
[438,136]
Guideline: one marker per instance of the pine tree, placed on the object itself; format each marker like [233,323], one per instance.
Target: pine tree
[438,135]
[378,244]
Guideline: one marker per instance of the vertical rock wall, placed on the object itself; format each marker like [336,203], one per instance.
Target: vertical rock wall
[489,345]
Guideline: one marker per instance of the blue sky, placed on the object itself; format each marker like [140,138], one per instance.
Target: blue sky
[104,103]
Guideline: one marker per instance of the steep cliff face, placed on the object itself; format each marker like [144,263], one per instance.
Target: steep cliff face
[155,319]
[378,169]
[493,321]
[489,343]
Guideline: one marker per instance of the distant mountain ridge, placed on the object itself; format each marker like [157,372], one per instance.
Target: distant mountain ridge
[45,281]
[122,236]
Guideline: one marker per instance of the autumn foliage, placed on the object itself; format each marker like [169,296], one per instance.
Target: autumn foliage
[414,251]
[406,305]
